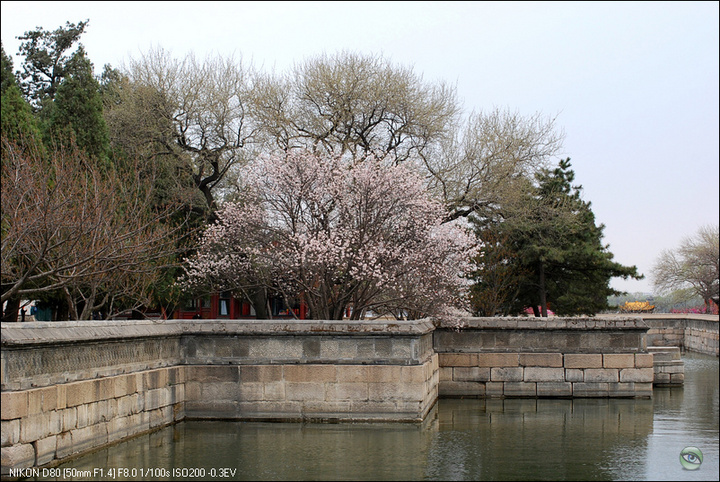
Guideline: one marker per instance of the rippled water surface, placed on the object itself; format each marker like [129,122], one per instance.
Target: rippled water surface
[584,439]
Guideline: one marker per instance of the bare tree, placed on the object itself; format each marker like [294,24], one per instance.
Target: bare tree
[484,163]
[359,105]
[71,227]
[194,112]
[694,266]
[354,104]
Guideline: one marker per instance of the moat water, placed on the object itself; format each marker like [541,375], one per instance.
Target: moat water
[517,439]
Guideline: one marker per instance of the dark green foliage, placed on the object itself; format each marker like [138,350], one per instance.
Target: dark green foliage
[18,122]
[555,249]
[46,57]
[7,78]
[77,111]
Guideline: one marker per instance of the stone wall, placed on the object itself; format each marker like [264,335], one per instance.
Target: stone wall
[555,357]
[697,333]
[71,387]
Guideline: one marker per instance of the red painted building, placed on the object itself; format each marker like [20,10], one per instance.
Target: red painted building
[224,305]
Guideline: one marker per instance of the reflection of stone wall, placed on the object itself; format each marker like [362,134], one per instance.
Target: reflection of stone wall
[669,368]
[697,333]
[555,357]
[71,387]
[552,439]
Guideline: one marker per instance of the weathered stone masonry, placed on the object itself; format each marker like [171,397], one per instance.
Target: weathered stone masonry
[552,357]
[72,387]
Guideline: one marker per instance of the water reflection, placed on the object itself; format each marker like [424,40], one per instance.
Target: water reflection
[521,439]
[537,439]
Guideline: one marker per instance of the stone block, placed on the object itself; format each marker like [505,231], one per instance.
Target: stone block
[310,373]
[494,389]
[127,405]
[261,373]
[69,418]
[506,374]
[554,389]
[520,389]
[89,437]
[599,375]
[42,400]
[327,410]
[80,393]
[40,425]
[622,389]
[574,375]
[299,391]
[160,417]
[619,360]
[125,385]
[579,360]
[458,359]
[347,391]
[64,447]
[82,416]
[286,410]
[10,432]
[498,360]
[45,450]
[156,398]
[13,405]
[176,375]
[244,392]
[677,378]
[223,409]
[471,374]
[349,374]
[386,373]
[446,374]
[193,390]
[347,349]
[593,389]
[396,391]
[209,373]
[636,375]
[18,456]
[543,374]
[401,349]
[273,391]
[643,360]
[670,367]
[541,359]
[660,378]
[461,389]
[105,388]
[413,373]
[156,379]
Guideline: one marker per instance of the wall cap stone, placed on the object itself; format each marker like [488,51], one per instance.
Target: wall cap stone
[583,323]
[53,332]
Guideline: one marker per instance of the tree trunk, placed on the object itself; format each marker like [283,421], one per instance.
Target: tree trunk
[260,303]
[542,292]
[10,315]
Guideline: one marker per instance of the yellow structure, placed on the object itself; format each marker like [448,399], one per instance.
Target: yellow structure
[637,307]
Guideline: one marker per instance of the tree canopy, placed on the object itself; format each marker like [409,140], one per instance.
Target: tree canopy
[692,267]
[555,250]
[365,237]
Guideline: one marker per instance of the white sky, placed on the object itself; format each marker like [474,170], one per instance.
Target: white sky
[634,85]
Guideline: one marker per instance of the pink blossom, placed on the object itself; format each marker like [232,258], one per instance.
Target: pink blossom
[338,235]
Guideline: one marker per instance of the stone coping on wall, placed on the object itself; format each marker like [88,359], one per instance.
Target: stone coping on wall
[39,332]
[555,323]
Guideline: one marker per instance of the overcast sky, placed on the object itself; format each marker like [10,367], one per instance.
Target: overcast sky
[634,85]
